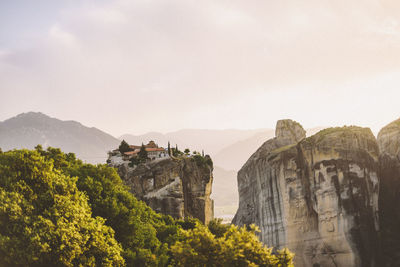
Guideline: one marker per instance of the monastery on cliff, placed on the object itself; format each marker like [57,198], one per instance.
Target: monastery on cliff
[152,149]
[153,152]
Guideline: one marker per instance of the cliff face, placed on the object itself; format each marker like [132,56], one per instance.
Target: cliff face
[389,208]
[177,187]
[317,196]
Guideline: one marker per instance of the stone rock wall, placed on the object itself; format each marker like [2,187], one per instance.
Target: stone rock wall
[177,187]
[317,196]
[389,199]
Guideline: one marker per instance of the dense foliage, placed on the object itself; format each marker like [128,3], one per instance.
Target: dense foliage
[56,210]
[235,247]
[45,220]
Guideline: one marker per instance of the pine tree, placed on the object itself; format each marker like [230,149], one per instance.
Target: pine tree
[169,149]
[142,153]
[124,147]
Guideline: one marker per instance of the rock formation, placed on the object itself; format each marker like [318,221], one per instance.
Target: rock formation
[318,196]
[389,197]
[177,187]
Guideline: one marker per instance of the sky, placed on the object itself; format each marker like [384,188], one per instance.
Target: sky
[155,65]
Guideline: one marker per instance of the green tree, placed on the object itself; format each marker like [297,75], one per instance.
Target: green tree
[237,247]
[176,152]
[124,147]
[143,153]
[45,220]
[187,151]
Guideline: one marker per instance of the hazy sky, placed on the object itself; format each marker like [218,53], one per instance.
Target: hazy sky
[154,65]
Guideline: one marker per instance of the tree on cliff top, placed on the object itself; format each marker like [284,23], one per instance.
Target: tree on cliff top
[143,153]
[124,147]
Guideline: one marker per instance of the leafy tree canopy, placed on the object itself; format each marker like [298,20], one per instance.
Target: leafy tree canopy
[45,220]
[236,247]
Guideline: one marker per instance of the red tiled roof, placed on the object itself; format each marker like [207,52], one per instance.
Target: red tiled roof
[155,149]
[131,152]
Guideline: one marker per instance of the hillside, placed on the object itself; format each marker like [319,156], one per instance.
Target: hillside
[27,130]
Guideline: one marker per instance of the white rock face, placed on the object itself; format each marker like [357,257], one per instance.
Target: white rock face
[317,196]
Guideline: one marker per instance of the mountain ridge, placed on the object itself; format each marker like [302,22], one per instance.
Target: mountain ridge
[26,130]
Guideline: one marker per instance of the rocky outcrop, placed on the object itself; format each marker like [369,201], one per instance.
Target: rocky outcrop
[318,196]
[177,187]
[389,208]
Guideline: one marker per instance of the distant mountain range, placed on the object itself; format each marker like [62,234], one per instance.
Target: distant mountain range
[229,149]
[233,157]
[30,129]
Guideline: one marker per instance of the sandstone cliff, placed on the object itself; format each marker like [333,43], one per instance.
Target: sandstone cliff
[177,187]
[389,199]
[318,196]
